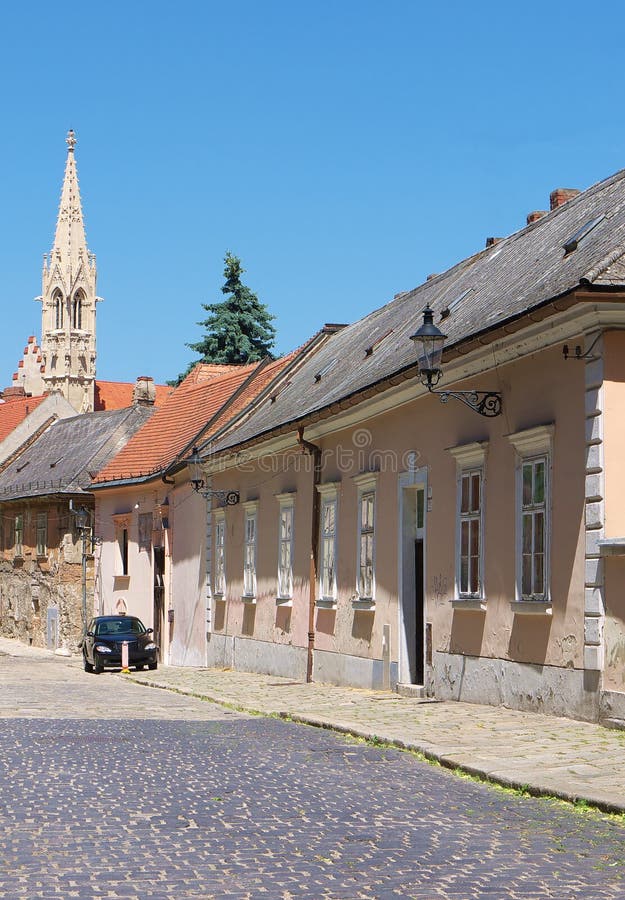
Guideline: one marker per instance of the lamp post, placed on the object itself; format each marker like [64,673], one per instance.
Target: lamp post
[228,498]
[429,341]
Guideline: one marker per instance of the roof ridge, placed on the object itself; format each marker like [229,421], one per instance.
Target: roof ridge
[603,265]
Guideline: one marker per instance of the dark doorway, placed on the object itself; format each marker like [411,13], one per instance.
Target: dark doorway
[159,596]
[419,611]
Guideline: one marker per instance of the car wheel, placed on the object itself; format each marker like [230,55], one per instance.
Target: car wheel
[140,667]
[97,664]
[152,666]
[87,664]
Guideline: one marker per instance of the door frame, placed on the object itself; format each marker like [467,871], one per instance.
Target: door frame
[409,483]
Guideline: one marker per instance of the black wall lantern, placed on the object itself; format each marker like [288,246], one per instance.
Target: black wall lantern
[429,341]
[229,498]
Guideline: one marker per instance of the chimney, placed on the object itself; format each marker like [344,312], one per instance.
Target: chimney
[144,393]
[491,241]
[14,392]
[561,195]
[431,276]
[536,215]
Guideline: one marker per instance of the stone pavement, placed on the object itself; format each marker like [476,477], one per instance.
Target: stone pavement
[545,755]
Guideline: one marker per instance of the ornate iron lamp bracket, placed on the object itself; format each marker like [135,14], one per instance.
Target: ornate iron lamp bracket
[226,498]
[486,403]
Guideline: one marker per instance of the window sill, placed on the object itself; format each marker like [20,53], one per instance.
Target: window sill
[247,598]
[364,603]
[476,603]
[531,607]
[220,597]
[284,601]
[326,603]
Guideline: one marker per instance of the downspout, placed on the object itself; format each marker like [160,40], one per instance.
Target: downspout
[314,451]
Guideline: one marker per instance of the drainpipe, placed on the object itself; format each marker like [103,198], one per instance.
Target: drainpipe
[314,451]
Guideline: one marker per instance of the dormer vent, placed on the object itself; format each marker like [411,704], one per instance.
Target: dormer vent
[447,311]
[576,239]
[369,350]
[324,371]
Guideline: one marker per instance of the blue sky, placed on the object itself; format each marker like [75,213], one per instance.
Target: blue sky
[344,150]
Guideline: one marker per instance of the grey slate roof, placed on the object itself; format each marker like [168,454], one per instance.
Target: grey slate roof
[515,275]
[65,458]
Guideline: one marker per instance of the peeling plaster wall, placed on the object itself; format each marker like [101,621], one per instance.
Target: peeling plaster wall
[500,682]
[30,587]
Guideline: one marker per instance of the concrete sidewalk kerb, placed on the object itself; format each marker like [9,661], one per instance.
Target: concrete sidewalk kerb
[542,755]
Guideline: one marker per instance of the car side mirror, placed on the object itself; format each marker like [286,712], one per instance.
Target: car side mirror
[149,631]
[90,634]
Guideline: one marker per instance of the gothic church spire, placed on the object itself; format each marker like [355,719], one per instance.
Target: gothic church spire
[70,241]
[69,299]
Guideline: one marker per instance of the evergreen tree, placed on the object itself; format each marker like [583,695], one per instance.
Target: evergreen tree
[239,329]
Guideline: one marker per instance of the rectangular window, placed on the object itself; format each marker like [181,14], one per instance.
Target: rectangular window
[327,568]
[19,535]
[145,531]
[366,546]
[249,561]
[42,534]
[470,543]
[285,551]
[220,557]
[534,491]
[123,550]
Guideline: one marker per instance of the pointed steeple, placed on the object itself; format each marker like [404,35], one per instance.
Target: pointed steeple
[70,240]
[68,341]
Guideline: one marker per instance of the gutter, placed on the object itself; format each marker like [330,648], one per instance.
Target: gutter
[314,451]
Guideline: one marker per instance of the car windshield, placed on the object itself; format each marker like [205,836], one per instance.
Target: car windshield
[120,625]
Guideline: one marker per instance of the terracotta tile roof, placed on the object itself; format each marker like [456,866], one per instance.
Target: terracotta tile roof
[183,415]
[12,412]
[206,371]
[118,394]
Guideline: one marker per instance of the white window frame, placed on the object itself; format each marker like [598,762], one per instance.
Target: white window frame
[470,460]
[366,485]
[219,570]
[533,445]
[250,549]
[286,503]
[328,544]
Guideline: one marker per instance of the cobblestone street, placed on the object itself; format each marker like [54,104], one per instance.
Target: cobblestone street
[110,789]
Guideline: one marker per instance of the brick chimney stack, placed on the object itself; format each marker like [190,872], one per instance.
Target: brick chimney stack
[536,215]
[144,393]
[561,195]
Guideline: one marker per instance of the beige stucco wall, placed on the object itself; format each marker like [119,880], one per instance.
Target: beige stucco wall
[186,590]
[614,457]
[179,522]
[539,390]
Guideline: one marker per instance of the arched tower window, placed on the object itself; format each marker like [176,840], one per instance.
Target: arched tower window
[77,311]
[57,300]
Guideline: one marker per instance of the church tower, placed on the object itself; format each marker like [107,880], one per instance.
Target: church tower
[68,320]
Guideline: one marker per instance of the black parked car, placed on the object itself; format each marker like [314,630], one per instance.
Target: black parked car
[102,644]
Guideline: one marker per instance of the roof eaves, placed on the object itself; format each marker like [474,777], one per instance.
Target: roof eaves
[299,357]
[391,379]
